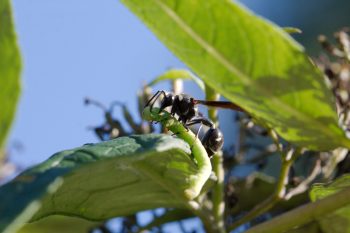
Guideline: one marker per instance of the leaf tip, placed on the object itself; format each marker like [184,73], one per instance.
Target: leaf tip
[190,194]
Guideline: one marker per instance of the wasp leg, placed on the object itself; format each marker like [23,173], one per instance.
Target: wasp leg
[201,120]
[154,99]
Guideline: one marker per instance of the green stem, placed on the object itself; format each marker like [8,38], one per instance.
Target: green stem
[280,191]
[218,192]
[304,214]
[275,139]
[217,162]
[198,151]
[201,157]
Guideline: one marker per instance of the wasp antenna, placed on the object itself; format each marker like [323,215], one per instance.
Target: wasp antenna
[154,97]
[98,104]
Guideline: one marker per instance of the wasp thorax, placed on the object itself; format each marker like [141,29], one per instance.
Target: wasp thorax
[184,108]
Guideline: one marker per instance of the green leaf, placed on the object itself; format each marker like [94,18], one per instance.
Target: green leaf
[10,66]
[338,221]
[178,74]
[59,224]
[104,180]
[251,62]
[312,227]
[292,30]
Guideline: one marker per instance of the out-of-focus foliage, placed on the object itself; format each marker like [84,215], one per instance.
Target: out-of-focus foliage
[59,224]
[338,221]
[10,67]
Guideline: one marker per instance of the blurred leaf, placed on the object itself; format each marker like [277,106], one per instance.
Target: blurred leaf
[338,221]
[178,74]
[320,191]
[312,227]
[247,189]
[10,66]
[251,62]
[292,30]
[59,224]
[103,180]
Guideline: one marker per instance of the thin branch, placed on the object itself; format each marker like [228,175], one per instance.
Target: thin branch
[337,156]
[303,186]
[275,139]
[177,86]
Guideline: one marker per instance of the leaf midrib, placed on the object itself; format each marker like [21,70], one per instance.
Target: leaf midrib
[231,68]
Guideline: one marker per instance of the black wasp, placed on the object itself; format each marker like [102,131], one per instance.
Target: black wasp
[184,106]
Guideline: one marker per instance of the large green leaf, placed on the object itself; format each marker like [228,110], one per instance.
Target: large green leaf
[59,224]
[10,66]
[338,221]
[104,180]
[251,62]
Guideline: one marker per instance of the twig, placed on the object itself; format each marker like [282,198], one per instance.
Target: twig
[303,186]
[337,156]
[275,139]
[287,161]
[177,86]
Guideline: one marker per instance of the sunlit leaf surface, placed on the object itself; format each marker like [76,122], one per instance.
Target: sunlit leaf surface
[251,62]
[104,180]
[59,224]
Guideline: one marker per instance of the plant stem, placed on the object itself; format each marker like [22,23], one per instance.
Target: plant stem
[201,157]
[304,214]
[218,192]
[217,163]
[275,139]
[280,191]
